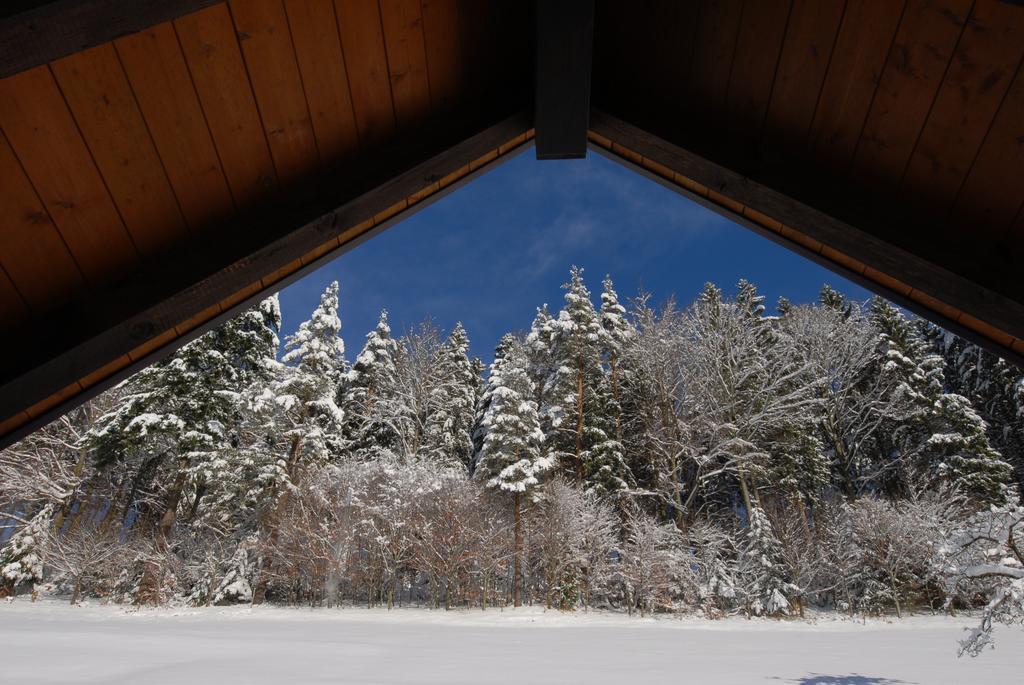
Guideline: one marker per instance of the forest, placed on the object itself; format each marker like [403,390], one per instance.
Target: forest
[709,459]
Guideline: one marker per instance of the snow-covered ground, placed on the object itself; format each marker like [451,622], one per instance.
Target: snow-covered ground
[50,642]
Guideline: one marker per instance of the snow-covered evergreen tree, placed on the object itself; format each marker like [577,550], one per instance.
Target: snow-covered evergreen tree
[375,410]
[538,352]
[940,436]
[762,567]
[581,409]
[452,403]
[617,332]
[178,417]
[505,348]
[511,457]
[994,387]
[298,406]
[21,558]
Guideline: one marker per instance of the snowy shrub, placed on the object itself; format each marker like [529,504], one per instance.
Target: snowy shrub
[571,539]
[987,556]
[652,562]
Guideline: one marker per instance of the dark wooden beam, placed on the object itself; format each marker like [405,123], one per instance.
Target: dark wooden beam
[66,346]
[565,43]
[999,311]
[51,30]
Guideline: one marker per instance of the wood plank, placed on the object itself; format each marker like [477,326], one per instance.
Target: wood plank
[13,309]
[979,76]
[262,29]
[1014,238]
[314,29]
[917,64]
[509,43]
[407,60]
[125,316]
[102,103]
[758,47]
[715,47]
[163,88]
[56,29]
[497,54]
[218,73]
[673,31]
[46,140]
[362,41]
[475,31]
[806,54]
[856,242]
[443,45]
[32,251]
[565,37]
[862,47]
[991,196]
[642,60]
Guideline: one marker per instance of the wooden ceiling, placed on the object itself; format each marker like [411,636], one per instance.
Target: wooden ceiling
[165,163]
[901,123]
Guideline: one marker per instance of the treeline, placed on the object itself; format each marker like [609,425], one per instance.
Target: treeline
[703,458]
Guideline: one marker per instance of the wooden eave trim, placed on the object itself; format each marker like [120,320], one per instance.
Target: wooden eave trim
[839,247]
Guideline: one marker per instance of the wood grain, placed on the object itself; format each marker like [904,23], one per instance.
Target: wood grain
[162,85]
[46,140]
[104,107]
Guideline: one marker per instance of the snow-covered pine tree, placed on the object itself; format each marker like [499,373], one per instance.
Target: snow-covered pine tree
[582,424]
[302,419]
[617,332]
[21,558]
[941,437]
[374,411]
[762,567]
[994,387]
[451,404]
[300,413]
[511,457]
[503,350]
[916,380]
[538,352]
[177,418]
[226,485]
[959,451]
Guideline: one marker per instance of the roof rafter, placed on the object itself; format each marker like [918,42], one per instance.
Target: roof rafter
[565,44]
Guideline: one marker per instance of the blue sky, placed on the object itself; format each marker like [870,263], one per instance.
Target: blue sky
[493,251]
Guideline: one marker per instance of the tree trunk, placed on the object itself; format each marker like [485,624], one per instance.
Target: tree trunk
[149,586]
[746,495]
[895,595]
[77,591]
[259,593]
[517,596]
[615,394]
[579,424]
[170,514]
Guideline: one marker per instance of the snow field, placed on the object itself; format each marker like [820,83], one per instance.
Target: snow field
[54,643]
